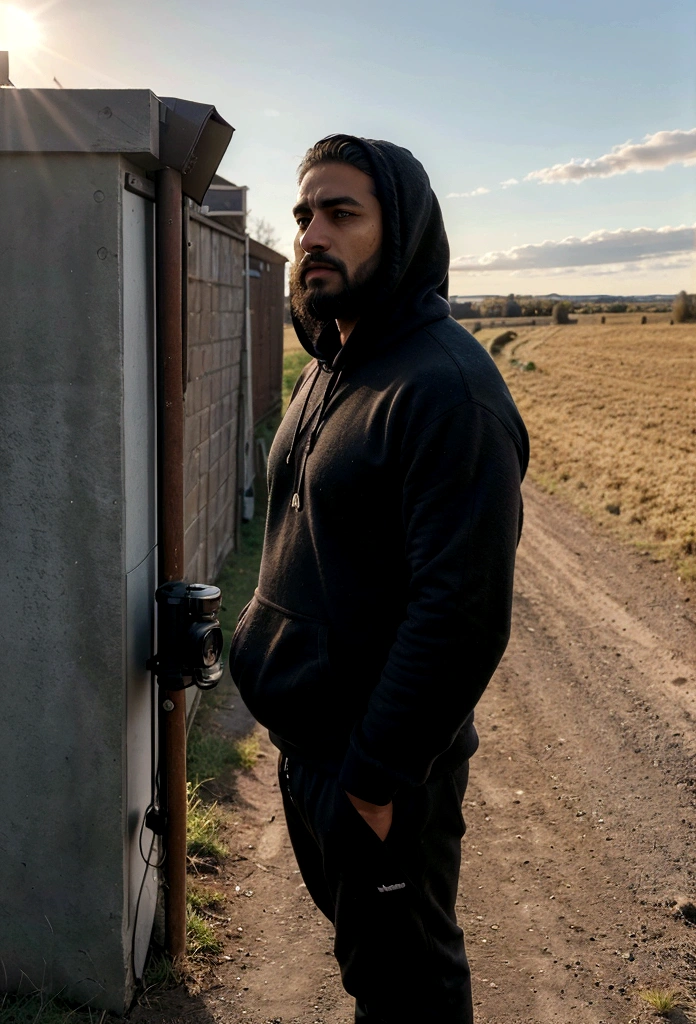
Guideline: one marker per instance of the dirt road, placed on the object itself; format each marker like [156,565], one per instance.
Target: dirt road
[580,812]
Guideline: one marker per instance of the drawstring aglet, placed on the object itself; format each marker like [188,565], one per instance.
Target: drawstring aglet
[296,502]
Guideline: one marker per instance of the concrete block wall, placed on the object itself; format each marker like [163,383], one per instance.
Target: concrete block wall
[215,331]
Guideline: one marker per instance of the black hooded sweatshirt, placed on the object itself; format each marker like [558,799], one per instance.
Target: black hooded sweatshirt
[384,597]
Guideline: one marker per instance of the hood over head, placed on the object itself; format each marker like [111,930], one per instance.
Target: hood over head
[413,283]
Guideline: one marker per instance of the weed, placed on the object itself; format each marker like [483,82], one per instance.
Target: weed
[247,751]
[204,899]
[662,1000]
[202,827]
[161,973]
[36,1008]
[201,940]
[209,754]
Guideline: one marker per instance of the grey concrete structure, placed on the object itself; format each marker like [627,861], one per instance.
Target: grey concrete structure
[78,541]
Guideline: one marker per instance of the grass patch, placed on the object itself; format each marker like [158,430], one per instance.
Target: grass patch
[662,1000]
[36,1008]
[687,569]
[202,827]
[293,364]
[161,973]
[247,751]
[201,940]
[204,899]
[209,754]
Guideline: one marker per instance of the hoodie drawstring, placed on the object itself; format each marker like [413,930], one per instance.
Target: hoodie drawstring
[298,425]
[308,448]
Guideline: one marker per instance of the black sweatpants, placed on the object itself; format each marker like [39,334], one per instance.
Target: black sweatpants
[399,948]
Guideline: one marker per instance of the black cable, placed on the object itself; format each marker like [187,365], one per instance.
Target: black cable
[140,893]
[146,857]
[154,803]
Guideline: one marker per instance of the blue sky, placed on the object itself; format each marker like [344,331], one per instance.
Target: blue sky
[481,93]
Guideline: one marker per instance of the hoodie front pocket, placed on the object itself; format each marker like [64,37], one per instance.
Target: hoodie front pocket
[278,659]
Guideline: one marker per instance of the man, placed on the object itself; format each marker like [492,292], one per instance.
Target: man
[385,590]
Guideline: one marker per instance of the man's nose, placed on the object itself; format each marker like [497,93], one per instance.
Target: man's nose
[315,238]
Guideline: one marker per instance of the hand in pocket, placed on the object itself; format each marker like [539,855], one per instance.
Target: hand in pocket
[377,816]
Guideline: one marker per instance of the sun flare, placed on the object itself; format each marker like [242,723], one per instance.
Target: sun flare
[19,30]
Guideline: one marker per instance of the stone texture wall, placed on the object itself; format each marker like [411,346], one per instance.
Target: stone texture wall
[215,330]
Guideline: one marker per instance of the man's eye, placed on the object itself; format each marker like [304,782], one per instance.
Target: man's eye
[302,223]
[342,214]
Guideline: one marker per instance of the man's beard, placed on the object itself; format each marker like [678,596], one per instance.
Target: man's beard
[313,305]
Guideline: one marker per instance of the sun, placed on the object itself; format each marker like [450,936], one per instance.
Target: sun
[19,30]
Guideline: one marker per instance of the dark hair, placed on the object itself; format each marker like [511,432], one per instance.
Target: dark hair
[335,149]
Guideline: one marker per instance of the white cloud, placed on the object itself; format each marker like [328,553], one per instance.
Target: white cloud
[467,195]
[654,153]
[632,248]
[508,182]
[270,112]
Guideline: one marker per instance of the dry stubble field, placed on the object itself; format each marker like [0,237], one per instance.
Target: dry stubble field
[611,411]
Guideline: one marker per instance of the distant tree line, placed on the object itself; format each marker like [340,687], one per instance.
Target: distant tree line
[494,306]
[683,308]
[502,306]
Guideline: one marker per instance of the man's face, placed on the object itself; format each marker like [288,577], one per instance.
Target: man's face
[338,242]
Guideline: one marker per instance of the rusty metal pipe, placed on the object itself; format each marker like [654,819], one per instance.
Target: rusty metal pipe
[172,704]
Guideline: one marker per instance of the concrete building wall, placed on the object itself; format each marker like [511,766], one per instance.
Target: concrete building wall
[215,331]
[77,535]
